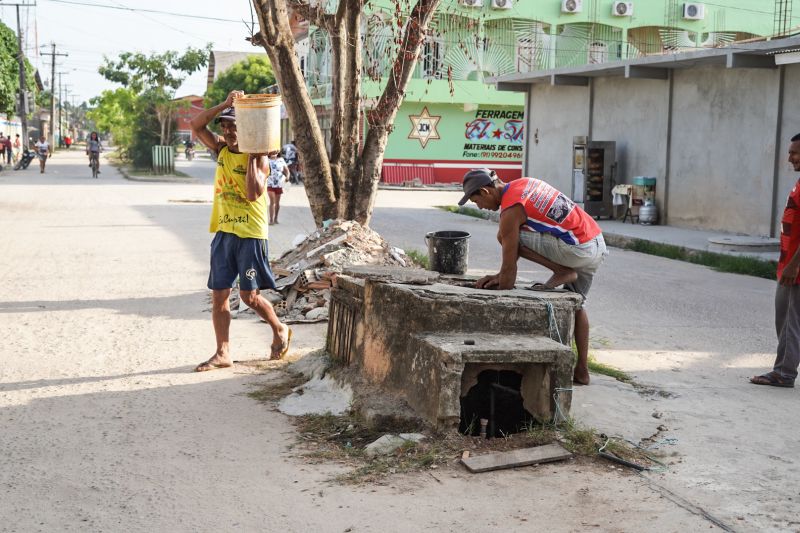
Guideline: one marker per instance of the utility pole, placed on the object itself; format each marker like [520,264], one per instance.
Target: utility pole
[67,108]
[61,103]
[60,106]
[53,54]
[23,94]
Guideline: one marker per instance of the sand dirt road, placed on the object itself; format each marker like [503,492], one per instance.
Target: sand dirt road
[103,426]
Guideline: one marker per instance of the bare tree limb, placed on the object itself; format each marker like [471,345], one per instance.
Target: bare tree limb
[273,18]
[380,119]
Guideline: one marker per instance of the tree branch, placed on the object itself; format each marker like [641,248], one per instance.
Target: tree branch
[279,44]
[381,117]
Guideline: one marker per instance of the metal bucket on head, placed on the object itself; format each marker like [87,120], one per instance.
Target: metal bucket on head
[448,251]
[258,123]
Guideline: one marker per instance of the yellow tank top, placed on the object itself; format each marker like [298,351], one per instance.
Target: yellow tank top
[232,212]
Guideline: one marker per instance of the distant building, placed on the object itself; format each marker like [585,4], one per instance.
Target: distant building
[192,105]
[219,61]
[451,120]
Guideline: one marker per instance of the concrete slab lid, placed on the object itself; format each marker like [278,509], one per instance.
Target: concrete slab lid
[517,293]
[743,243]
[491,347]
[391,273]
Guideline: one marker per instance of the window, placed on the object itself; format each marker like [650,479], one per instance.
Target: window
[598,53]
[432,57]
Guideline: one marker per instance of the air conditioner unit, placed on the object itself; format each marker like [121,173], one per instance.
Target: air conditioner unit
[502,4]
[472,3]
[622,9]
[692,11]
[571,6]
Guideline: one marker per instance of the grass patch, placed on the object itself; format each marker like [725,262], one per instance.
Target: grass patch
[749,266]
[461,210]
[342,439]
[419,258]
[580,441]
[597,367]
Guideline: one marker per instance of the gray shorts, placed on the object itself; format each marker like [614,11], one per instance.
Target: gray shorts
[584,259]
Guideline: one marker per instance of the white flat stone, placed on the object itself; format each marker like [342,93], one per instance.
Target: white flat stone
[319,397]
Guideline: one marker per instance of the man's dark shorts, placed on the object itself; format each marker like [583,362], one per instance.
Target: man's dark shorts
[233,256]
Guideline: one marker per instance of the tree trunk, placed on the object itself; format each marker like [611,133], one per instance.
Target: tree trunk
[278,41]
[380,120]
[344,183]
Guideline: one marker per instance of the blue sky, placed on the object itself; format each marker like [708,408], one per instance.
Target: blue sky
[87,33]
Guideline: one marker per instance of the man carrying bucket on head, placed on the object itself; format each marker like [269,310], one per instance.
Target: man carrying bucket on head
[542,225]
[239,222]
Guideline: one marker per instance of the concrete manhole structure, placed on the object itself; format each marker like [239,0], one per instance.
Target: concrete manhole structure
[456,354]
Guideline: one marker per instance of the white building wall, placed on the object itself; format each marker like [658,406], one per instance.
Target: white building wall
[720,156]
[556,115]
[723,148]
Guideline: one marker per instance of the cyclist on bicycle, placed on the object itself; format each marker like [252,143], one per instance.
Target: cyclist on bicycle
[93,149]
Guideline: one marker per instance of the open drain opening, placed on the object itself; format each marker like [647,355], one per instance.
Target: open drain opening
[494,405]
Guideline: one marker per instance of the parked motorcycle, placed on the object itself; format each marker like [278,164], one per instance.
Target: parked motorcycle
[25,159]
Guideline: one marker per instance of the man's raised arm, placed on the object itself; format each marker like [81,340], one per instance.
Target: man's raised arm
[199,124]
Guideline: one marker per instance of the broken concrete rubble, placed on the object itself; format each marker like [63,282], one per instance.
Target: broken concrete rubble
[306,273]
[389,443]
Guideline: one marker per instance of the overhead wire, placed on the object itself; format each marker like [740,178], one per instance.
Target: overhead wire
[143,10]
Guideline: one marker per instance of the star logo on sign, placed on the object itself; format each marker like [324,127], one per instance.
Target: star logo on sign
[423,127]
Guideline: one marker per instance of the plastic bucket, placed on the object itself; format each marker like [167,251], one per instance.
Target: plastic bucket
[448,251]
[258,123]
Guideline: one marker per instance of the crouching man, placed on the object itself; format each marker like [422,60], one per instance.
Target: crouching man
[539,223]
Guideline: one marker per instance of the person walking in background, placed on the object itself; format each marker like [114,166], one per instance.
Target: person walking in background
[42,152]
[787,292]
[68,141]
[9,149]
[239,224]
[279,173]
[2,147]
[291,157]
[17,148]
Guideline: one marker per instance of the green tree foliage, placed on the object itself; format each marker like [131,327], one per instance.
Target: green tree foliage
[252,75]
[114,112]
[9,71]
[150,82]
[161,72]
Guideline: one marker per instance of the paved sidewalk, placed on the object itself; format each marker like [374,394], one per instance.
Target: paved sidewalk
[617,232]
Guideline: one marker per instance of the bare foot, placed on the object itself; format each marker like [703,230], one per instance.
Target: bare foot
[580,376]
[217,361]
[280,344]
[560,278]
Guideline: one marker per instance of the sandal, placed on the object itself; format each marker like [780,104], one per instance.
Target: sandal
[278,351]
[772,379]
[541,287]
[208,365]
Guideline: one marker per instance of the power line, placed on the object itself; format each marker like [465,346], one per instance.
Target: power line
[141,10]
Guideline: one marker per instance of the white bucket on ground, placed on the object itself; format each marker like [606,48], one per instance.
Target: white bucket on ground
[258,123]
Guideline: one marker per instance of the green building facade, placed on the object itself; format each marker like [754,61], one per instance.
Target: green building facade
[451,120]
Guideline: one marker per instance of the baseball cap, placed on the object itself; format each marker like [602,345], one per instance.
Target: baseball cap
[474,180]
[228,113]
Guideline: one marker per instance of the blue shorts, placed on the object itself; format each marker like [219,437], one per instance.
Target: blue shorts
[233,256]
